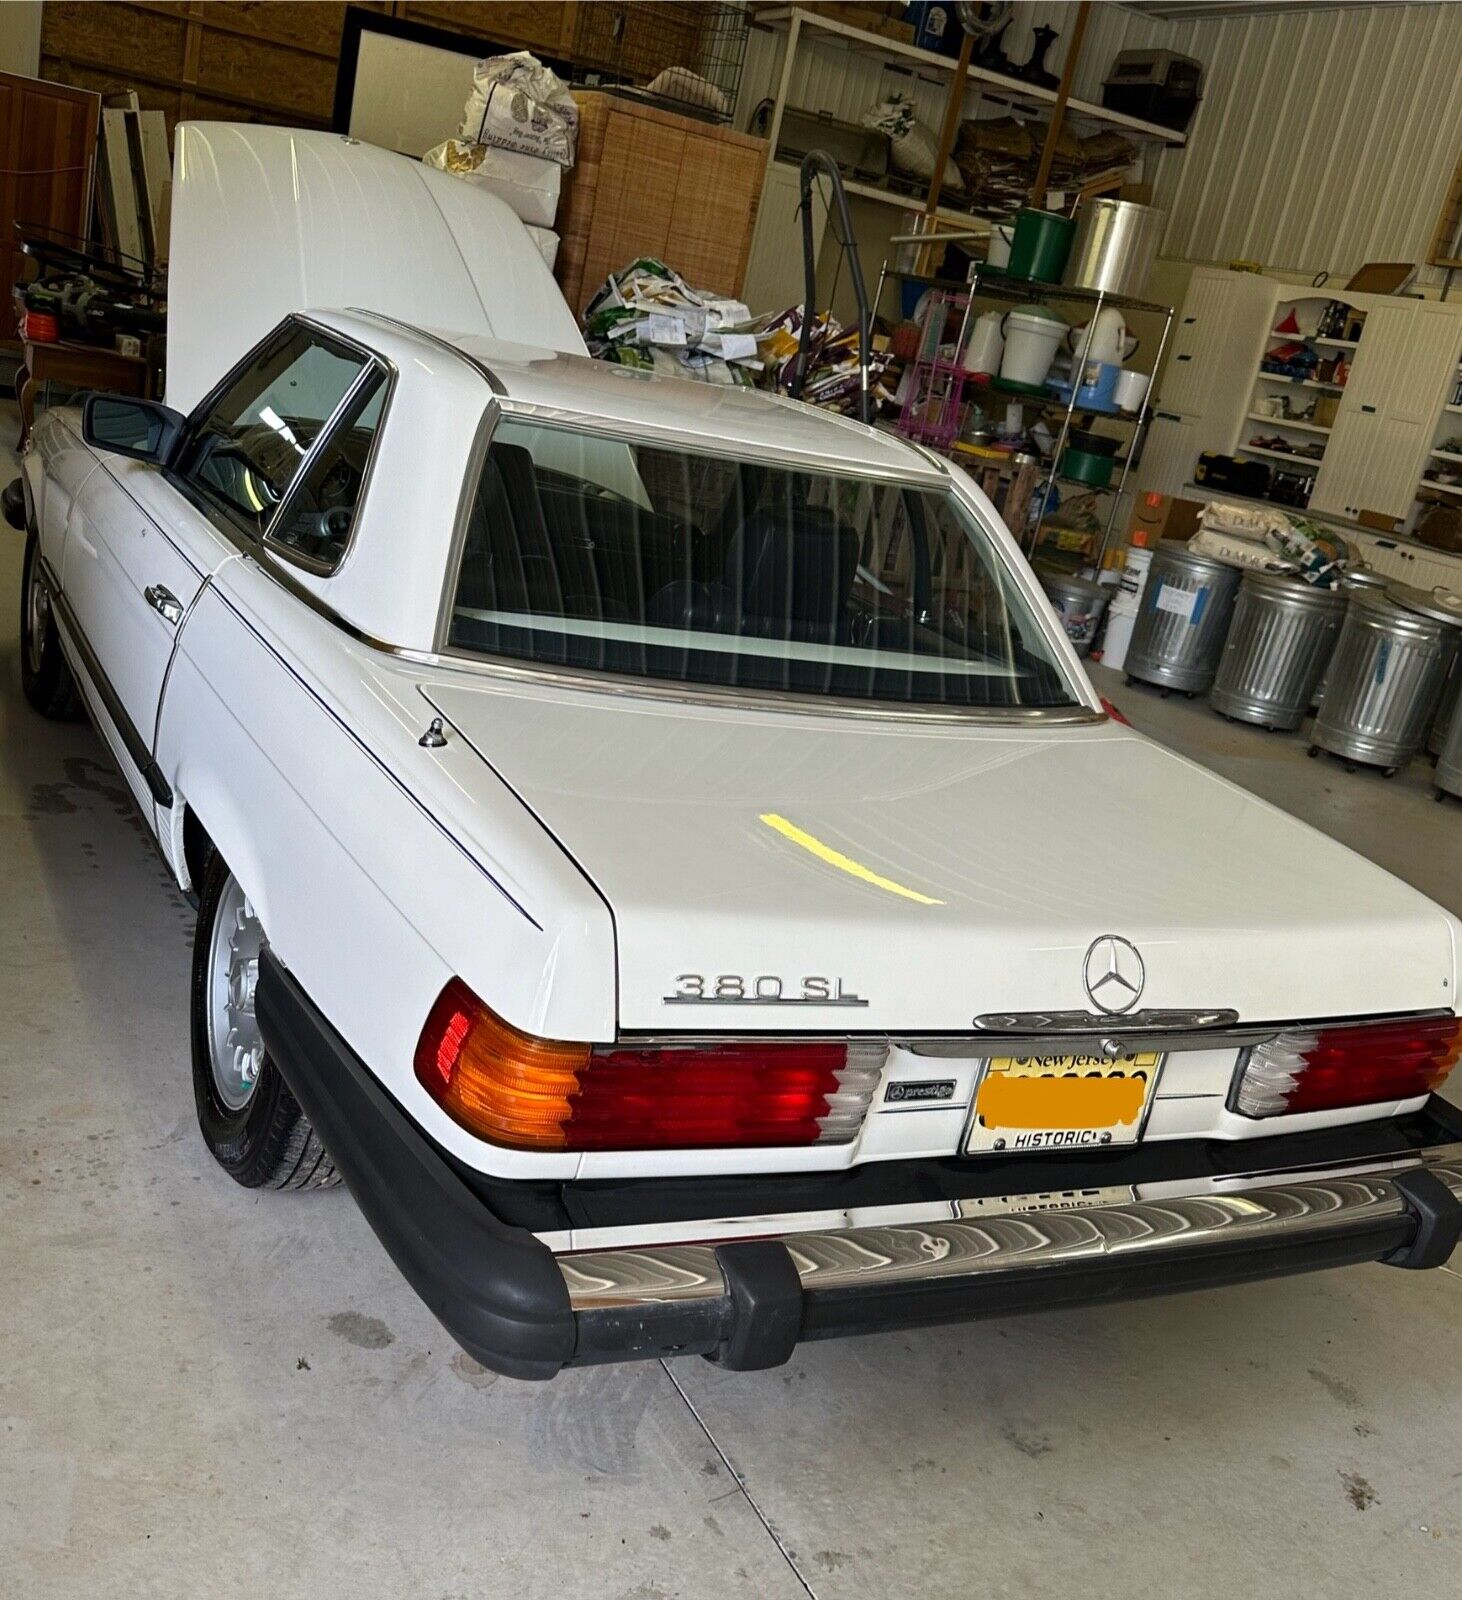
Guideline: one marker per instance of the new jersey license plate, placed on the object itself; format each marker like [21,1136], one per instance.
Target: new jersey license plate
[1027,1103]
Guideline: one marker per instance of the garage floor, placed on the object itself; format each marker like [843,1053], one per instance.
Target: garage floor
[206,1391]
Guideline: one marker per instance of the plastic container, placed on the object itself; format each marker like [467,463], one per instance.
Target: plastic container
[1122,615]
[1278,646]
[1183,619]
[1031,338]
[1098,391]
[1091,467]
[1079,603]
[1040,246]
[986,344]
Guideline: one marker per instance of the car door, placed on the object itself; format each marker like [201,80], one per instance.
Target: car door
[146,541]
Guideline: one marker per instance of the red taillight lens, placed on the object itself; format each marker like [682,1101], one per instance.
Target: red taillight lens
[1113,712]
[536,1094]
[1326,1069]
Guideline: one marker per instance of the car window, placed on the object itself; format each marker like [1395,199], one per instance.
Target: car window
[606,554]
[244,451]
[318,516]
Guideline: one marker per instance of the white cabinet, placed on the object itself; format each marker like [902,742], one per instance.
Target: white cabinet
[1404,365]
[1169,453]
[1409,563]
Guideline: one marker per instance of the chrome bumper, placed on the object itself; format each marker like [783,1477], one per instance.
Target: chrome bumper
[1245,1228]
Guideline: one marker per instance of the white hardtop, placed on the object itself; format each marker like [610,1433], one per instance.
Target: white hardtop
[269,221]
[574,390]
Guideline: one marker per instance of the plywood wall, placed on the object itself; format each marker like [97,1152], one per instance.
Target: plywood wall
[251,60]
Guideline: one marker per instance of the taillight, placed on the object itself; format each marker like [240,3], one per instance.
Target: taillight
[536,1094]
[1326,1069]
[1113,712]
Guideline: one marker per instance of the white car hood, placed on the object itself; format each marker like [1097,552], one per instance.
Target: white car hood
[266,221]
[940,871]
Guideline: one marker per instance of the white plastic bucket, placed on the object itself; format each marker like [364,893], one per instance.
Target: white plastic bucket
[998,253]
[1122,614]
[1030,346]
[986,344]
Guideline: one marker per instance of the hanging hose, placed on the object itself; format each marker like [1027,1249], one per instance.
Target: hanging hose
[843,232]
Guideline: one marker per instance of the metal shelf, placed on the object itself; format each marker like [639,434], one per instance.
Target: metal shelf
[991,85]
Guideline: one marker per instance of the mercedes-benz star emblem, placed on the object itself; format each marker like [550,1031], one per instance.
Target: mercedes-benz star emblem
[1113,974]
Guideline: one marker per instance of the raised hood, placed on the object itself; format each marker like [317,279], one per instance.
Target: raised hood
[939,872]
[266,221]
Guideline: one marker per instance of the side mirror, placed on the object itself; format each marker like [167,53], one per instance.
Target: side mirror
[141,429]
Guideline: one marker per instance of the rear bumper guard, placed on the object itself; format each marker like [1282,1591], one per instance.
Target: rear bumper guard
[518,1308]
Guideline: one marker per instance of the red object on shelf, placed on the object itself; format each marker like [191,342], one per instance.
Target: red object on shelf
[41,327]
[1290,324]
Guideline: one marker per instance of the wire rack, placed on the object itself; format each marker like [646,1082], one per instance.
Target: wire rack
[686,57]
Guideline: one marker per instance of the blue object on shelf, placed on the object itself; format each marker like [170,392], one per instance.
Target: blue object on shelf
[936,27]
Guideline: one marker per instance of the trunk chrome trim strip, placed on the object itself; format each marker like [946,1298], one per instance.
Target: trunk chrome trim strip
[1287,1208]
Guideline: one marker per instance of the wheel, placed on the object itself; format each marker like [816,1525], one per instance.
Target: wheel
[1390,772]
[1313,751]
[1349,766]
[1130,680]
[45,679]
[251,1123]
[1439,795]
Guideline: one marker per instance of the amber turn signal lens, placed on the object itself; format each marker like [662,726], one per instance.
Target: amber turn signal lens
[498,1083]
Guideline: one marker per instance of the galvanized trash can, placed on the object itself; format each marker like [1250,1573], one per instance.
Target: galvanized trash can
[1446,708]
[1079,603]
[1448,776]
[1279,643]
[1183,619]
[1351,579]
[1386,675]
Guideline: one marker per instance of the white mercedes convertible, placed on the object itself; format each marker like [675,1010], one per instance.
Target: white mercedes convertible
[656,843]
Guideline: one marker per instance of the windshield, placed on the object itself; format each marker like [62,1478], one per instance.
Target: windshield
[606,555]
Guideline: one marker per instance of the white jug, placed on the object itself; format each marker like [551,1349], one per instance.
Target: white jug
[986,344]
[1110,340]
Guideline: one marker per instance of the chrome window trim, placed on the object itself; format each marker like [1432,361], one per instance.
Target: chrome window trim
[325,569]
[668,691]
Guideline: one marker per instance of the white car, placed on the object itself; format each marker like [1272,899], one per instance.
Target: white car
[656,841]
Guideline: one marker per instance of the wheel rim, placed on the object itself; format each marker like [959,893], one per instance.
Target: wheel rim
[37,617]
[235,1045]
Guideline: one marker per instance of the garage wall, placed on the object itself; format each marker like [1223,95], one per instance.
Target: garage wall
[1326,138]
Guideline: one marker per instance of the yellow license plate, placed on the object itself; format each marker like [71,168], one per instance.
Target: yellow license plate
[1027,1103]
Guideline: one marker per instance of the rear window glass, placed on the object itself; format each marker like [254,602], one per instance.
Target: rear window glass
[601,554]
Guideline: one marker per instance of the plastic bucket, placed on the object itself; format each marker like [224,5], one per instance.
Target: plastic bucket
[1040,246]
[1079,603]
[1031,338]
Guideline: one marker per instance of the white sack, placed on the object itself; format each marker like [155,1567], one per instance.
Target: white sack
[518,104]
[529,185]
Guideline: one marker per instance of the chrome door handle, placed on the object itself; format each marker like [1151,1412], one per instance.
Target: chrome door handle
[165,603]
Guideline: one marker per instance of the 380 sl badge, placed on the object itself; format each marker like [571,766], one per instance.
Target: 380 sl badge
[764,989]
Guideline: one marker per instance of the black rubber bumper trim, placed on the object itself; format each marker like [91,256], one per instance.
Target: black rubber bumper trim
[1438,1215]
[766,1304]
[496,1289]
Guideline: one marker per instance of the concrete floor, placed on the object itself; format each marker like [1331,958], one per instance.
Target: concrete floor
[210,1392]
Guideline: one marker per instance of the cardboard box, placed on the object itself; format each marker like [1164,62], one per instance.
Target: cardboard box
[1166,516]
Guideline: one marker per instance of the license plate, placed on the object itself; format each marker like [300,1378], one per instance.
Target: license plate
[1027,1103]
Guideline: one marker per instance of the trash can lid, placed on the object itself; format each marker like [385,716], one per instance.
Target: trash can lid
[1440,603]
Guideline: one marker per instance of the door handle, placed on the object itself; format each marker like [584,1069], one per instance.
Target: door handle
[165,603]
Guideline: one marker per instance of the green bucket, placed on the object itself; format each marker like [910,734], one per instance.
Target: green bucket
[1041,244]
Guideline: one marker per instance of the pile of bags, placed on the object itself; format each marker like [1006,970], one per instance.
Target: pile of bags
[832,377]
[518,133]
[998,160]
[648,316]
[1270,540]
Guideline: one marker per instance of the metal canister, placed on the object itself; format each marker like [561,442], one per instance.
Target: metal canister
[1353,578]
[1446,707]
[1387,673]
[1183,619]
[1448,776]
[1114,246]
[1278,644]
[1079,603]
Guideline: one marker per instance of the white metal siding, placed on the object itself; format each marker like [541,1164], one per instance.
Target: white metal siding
[1325,138]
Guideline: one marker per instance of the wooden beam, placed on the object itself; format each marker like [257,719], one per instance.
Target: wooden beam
[953,105]
[1058,111]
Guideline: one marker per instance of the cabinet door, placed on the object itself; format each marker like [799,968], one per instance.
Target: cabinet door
[1341,483]
[1169,454]
[1215,346]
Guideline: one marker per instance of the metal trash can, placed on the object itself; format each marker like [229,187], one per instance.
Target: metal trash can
[1446,708]
[1278,645]
[1353,578]
[1386,674]
[1079,603]
[1448,776]
[1183,619]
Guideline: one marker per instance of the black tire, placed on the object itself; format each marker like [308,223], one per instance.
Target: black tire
[267,1142]
[45,679]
